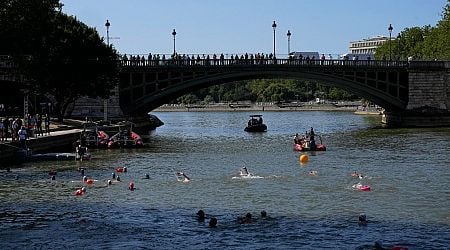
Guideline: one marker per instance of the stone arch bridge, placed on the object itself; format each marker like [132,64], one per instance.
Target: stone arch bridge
[415,93]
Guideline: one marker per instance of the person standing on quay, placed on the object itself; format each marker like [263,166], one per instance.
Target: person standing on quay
[47,124]
[23,136]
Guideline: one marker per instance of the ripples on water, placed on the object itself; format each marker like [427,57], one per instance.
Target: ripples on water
[407,169]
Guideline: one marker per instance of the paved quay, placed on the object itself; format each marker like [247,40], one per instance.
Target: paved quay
[56,139]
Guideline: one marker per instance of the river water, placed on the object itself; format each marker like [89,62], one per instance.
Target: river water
[407,169]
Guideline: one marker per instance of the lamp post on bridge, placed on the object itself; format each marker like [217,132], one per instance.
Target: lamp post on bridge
[390,37]
[289,41]
[398,46]
[274,26]
[105,101]
[107,24]
[174,33]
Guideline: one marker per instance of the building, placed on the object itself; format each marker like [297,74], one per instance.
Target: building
[366,46]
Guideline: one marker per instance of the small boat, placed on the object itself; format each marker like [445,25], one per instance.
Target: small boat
[361,187]
[255,124]
[124,139]
[304,144]
[94,138]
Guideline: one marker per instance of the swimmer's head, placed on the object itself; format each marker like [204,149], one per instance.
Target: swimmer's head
[201,214]
[147,176]
[113,175]
[83,189]
[124,169]
[362,218]
[53,177]
[213,222]
[263,214]
[118,178]
[85,178]
[109,182]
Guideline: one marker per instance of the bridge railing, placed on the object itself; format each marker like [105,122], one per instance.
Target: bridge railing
[259,62]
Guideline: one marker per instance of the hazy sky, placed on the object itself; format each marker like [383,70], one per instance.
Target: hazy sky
[239,26]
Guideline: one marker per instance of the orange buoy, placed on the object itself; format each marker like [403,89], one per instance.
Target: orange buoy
[119,170]
[80,191]
[131,186]
[304,158]
[90,181]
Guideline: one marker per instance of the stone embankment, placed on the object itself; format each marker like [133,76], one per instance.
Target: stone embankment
[224,107]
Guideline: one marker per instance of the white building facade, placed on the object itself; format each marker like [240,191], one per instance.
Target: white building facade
[366,46]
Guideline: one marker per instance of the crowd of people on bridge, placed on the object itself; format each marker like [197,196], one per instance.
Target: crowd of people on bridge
[241,59]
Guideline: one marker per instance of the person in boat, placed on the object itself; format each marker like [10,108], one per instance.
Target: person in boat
[244,171]
[311,132]
[260,121]
[183,175]
[296,138]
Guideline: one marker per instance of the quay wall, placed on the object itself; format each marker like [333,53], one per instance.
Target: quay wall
[57,140]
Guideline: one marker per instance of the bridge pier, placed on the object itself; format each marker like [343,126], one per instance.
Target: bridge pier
[428,97]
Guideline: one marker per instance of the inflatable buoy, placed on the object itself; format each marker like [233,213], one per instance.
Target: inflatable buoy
[119,170]
[131,186]
[90,181]
[304,158]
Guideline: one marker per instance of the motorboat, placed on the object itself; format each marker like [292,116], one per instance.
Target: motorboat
[255,124]
[94,138]
[305,143]
[124,139]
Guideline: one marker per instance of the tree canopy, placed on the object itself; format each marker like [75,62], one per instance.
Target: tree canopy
[61,57]
[425,43]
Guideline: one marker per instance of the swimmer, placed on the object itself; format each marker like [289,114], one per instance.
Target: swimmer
[131,186]
[244,171]
[362,220]
[147,176]
[85,178]
[356,174]
[263,214]
[201,215]
[313,173]
[109,182]
[80,191]
[246,219]
[113,175]
[181,174]
[213,222]
[118,178]
[53,177]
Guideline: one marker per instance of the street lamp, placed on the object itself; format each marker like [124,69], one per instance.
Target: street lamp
[398,46]
[105,101]
[107,24]
[274,26]
[390,33]
[174,33]
[289,41]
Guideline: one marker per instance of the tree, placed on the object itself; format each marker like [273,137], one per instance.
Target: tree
[61,57]
[427,43]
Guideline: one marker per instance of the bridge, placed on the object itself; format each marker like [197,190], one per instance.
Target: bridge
[415,93]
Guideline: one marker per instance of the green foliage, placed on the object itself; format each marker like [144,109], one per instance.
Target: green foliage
[61,57]
[426,43]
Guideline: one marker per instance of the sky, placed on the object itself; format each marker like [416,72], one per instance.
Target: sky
[240,26]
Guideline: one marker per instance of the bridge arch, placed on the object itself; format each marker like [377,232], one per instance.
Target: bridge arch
[350,83]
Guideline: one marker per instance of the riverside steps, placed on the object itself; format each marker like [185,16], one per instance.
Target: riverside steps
[56,139]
